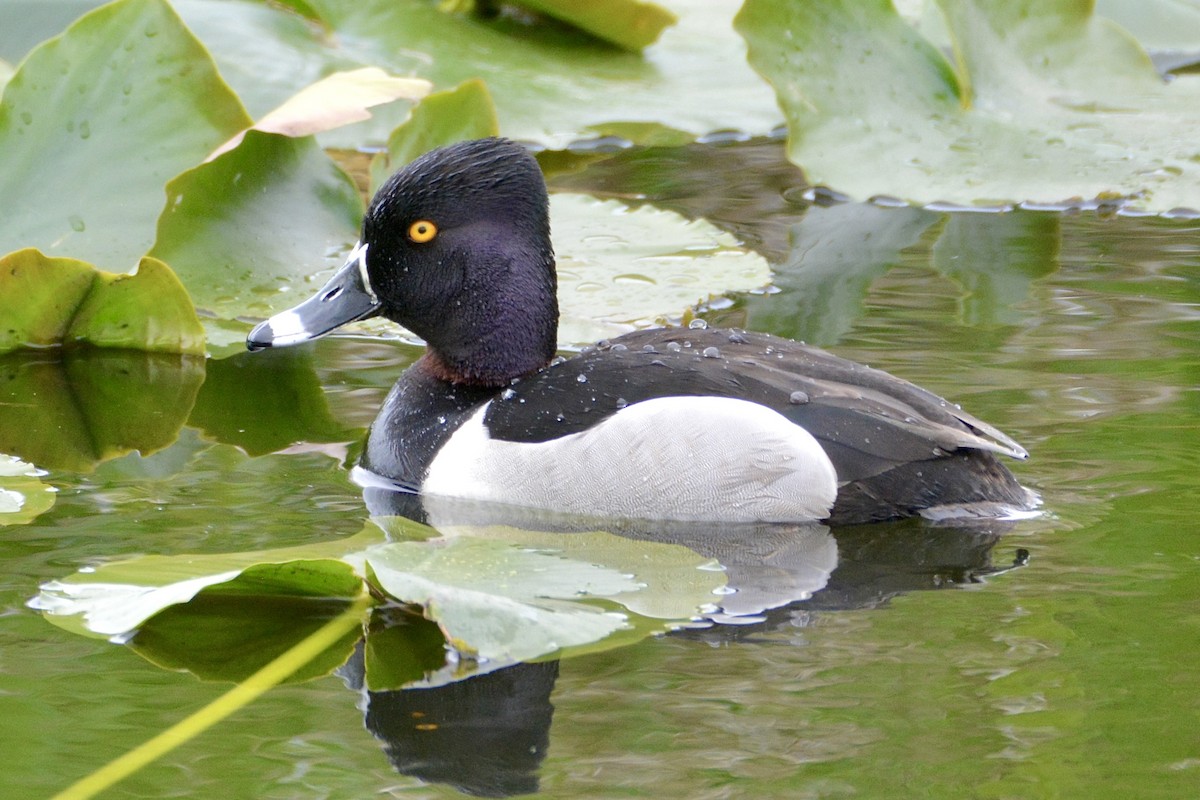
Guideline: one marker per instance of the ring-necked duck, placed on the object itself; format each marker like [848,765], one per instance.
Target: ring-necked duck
[668,424]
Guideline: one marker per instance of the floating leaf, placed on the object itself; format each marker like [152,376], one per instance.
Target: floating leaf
[619,268]
[465,112]
[22,494]
[336,100]
[46,301]
[630,24]
[550,84]
[93,124]
[72,410]
[118,597]
[1046,102]
[251,231]
[499,602]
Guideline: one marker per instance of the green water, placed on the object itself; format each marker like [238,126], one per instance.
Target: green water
[924,669]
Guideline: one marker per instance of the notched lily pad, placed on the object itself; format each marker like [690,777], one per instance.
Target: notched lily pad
[23,496]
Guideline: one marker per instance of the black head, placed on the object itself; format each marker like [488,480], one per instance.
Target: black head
[456,248]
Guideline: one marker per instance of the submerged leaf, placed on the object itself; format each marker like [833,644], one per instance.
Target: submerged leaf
[1045,102]
[95,121]
[48,301]
[22,495]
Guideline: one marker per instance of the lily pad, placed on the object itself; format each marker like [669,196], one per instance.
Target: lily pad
[47,301]
[630,24]
[464,112]
[551,84]
[23,496]
[116,598]
[251,231]
[621,268]
[73,410]
[1045,102]
[342,98]
[95,121]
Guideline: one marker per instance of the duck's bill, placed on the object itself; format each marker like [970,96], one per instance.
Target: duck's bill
[347,297]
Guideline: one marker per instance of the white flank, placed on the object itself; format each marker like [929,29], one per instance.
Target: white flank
[683,458]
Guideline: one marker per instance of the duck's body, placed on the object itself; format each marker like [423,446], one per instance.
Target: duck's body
[670,424]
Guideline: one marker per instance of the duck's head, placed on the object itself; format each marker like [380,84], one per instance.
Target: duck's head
[456,248]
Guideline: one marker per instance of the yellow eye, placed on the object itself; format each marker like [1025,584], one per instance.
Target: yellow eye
[422,231]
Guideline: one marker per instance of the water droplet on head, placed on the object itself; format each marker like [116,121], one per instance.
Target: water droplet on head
[554,362]
[622,402]
[619,348]
[698,324]
[674,347]
[737,337]
[798,398]
[711,352]
[649,348]
[581,378]
[508,394]
[76,223]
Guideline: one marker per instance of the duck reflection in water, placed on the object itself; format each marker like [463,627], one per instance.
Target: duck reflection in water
[486,735]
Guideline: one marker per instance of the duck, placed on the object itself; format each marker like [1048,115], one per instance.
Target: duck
[690,423]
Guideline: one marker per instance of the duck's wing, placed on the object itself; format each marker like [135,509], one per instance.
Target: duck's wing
[868,421]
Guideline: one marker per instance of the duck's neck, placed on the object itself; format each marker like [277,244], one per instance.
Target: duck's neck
[493,337]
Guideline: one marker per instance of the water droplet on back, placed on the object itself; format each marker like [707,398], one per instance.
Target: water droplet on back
[798,398]
[711,352]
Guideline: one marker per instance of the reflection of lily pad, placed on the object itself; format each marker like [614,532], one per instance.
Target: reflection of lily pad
[265,402]
[72,410]
[1044,102]
[22,495]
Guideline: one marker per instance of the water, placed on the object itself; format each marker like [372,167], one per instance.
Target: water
[928,666]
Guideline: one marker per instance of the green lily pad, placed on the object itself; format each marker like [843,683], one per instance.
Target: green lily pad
[630,24]
[23,496]
[250,231]
[462,113]
[47,301]
[119,597]
[498,602]
[1045,102]
[73,410]
[621,268]
[95,121]
[551,84]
